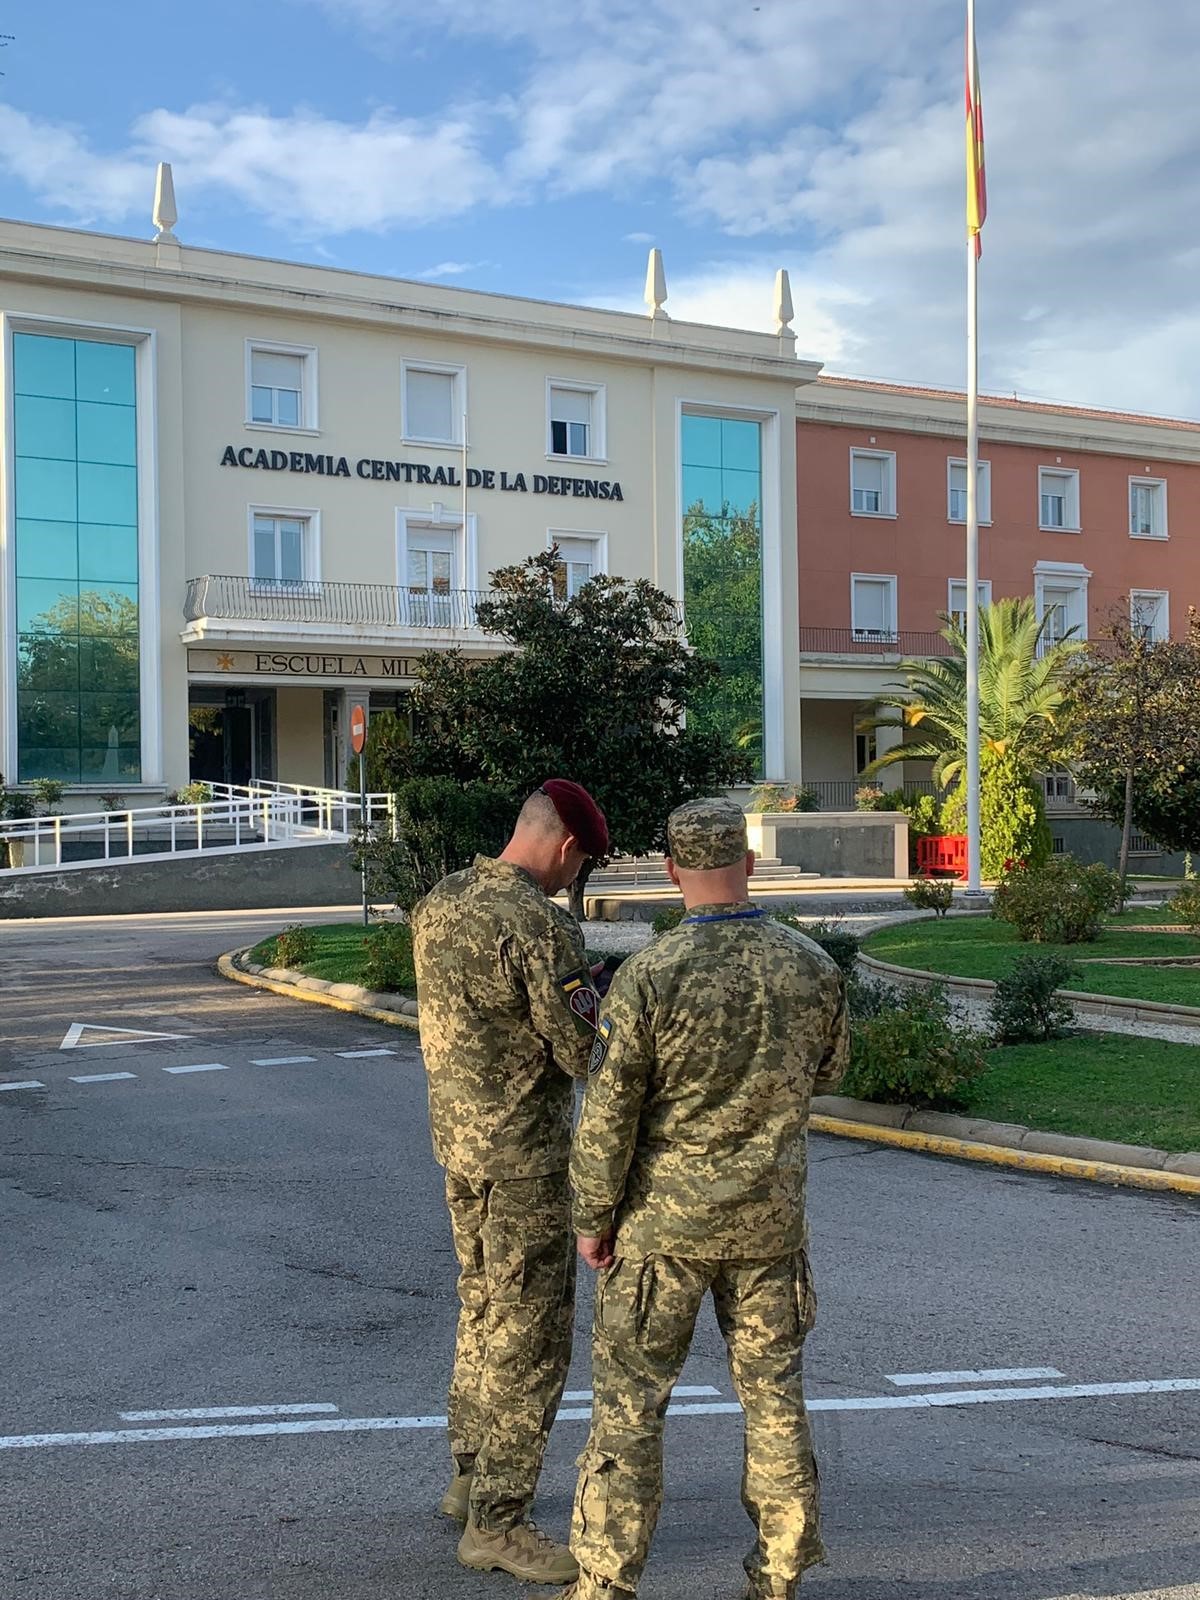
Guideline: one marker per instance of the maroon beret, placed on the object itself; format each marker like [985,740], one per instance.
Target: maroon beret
[579,814]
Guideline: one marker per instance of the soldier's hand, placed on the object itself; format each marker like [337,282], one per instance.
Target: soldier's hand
[596,1253]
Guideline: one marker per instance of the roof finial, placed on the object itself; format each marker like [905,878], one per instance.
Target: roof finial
[783,302]
[165,214]
[656,284]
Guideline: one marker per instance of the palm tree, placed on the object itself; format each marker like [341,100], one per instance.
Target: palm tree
[1024,696]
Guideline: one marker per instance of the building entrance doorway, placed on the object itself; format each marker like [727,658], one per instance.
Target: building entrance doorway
[230,735]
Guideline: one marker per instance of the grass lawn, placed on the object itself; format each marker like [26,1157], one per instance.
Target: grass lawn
[1102,1086]
[977,947]
[340,956]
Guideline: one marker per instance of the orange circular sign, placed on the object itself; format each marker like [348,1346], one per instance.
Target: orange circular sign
[358,728]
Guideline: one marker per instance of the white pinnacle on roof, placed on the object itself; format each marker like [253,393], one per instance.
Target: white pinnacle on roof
[656,284]
[165,214]
[783,302]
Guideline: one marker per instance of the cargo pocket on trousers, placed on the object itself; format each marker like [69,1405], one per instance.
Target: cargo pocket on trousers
[621,1300]
[591,1498]
[806,1294]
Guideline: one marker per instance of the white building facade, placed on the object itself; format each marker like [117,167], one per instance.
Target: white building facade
[239,493]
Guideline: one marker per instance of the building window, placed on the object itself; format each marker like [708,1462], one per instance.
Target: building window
[1058,499]
[579,560]
[284,547]
[75,481]
[1147,508]
[957,598]
[1059,785]
[1149,614]
[281,382]
[433,403]
[575,419]
[873,606]
[721,485]
[866,748]
[956,473]
[873,483]
[1061,596]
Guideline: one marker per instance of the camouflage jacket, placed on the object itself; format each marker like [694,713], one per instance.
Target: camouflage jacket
[694,1126]
[507,1020]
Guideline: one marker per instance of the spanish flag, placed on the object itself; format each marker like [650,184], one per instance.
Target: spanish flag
[976,176]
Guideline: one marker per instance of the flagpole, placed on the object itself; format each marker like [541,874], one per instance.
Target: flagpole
[972,598]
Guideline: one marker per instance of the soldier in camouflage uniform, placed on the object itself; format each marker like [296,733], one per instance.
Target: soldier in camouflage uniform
[508,1017]
[688,1171]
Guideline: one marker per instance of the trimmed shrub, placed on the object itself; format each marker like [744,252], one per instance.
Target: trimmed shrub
[1026,1007]
[913,1052]
[931,894]
[1059,902]
[1012,815]
[388,959]
[1185,905]
[440,827]
[782,797]
[295,946]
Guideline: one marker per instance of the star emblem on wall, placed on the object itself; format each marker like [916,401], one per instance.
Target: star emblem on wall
[224,663]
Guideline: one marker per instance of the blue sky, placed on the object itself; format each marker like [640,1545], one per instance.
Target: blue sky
[516,146]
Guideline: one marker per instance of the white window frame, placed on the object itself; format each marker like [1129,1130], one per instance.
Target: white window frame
[983,490]
[1159,518]
[311,579]
[888,457]
[598,540]
[599,424]
[984,590]
[1070,523]
[459,416]
[891,634]
[440,519]
[1063,575]
[310,421]
[1163,597]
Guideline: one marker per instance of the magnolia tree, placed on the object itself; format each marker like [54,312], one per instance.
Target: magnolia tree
[597,688]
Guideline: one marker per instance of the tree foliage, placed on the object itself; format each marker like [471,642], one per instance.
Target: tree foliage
[1012,815]
[1136,733]
[722,591]
[597,688]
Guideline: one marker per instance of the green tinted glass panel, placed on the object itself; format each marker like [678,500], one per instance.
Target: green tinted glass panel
[43,366]
[107,494]
[44,427]
[739,445]
[701,439]
[77,597]
[108,552]
[45,489]
[107,433]
[741,491]
[46,550]
[105,372]
[48,605]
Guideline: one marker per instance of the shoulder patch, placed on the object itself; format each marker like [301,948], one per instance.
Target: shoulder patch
[600,1048]
[582,999]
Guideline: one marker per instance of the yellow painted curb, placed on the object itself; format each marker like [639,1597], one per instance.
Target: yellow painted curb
[227,969]
[999,1155]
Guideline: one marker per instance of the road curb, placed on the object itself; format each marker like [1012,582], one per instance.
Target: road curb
[1174,1173]
[392,1009]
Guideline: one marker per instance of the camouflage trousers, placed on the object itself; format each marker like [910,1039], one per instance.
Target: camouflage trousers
[645,1317]
[516,1285]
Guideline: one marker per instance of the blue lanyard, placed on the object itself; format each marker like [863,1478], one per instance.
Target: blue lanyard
[728,916]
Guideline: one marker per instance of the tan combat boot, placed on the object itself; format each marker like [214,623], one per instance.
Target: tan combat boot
[524,1551]
[456,1502]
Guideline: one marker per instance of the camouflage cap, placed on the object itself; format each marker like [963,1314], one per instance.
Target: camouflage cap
[704,835]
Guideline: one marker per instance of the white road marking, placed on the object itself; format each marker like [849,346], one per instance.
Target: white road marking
[280,1061]
[358,1055]
[883,1402]
[982,1375]
[211,1412]
[29,1083]
[103,1077]
[204,1066]
[74,1034]
[693,1391]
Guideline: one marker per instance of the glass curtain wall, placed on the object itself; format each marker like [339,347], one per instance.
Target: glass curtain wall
[76,488]
[722,570]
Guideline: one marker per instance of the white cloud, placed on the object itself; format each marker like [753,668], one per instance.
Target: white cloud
[450,269]
[639,238]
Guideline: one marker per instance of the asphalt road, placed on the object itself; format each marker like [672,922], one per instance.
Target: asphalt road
[268,1232]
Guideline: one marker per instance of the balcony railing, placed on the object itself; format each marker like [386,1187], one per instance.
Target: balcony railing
[357,605]
[838,794]
[871,642]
